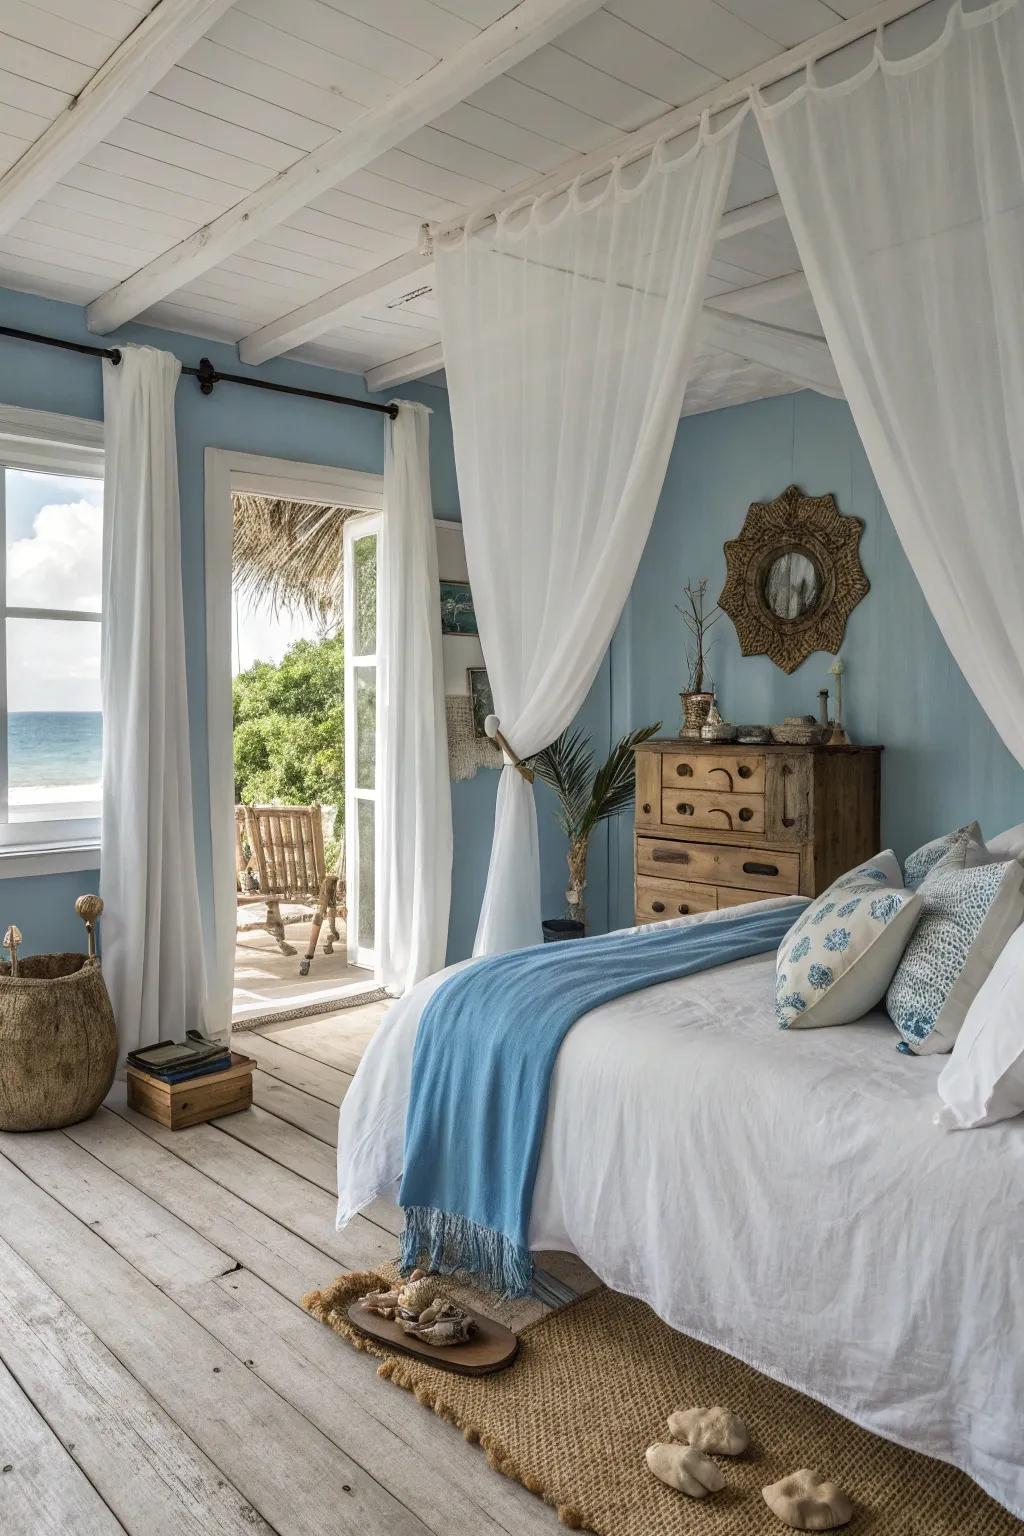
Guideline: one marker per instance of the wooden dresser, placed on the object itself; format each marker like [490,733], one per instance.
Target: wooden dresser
[717,824]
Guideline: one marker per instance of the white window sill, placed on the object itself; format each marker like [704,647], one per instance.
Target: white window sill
[48,859]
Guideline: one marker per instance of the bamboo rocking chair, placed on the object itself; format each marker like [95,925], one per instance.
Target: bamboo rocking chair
[279,857]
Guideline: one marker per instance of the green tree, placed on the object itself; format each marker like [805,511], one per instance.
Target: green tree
[289,728]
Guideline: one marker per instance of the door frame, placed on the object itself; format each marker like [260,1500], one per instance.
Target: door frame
[226,473]
[365,525]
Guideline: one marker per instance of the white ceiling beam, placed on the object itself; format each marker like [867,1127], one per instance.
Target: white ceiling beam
[805,359]
[498,48]
[402,370]
[311,320]
[774,290]
[164,36]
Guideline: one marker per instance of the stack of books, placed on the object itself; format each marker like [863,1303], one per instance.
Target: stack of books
[173,1061]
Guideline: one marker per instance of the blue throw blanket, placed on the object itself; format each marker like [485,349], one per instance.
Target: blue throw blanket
[485,1048]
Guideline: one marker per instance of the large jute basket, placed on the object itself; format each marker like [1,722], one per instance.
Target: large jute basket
[58,1042]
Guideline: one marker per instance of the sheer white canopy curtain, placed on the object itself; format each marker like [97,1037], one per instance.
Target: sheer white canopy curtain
[567,326]
[152,941]
[904,189]
[414,809]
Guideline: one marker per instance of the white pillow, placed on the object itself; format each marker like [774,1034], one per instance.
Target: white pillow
[838,958]
[964,843]
[969,914]
[1009,844]
[983,1080]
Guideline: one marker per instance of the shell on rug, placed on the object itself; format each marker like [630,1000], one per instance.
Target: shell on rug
[686,1469]
[716,1430]
[807,1501]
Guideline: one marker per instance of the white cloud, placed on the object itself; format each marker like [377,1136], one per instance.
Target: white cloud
[58,565]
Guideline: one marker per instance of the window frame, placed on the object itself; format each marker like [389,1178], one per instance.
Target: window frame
[42,442]
[361,525]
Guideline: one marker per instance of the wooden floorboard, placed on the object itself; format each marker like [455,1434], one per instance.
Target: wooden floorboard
[159,1376]
[147,1472]
[42,1490]
[298,1480]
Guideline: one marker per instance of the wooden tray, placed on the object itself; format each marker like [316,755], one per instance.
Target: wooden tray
[493,1348]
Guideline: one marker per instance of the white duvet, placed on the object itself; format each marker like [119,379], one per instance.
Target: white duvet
[783,1195]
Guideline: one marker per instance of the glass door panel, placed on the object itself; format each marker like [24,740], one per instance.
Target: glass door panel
[360,558]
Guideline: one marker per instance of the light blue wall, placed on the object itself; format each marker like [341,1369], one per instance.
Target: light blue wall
[249,421]
[943,762]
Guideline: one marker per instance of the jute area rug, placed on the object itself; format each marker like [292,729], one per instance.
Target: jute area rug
[592,1387]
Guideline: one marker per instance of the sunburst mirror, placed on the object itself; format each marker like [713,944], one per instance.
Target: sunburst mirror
[793,577]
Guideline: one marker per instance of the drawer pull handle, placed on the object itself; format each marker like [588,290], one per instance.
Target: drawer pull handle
[716,810]
[646,808]
[683,909]
[746,814]
[684,808]
[684,770]
[744,771]
[670,856]
[753,868]
[721,770]
[657,906]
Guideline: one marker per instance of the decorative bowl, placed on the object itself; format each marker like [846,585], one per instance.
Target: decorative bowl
[799,731]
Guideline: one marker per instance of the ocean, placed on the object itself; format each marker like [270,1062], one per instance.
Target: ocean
[53,747]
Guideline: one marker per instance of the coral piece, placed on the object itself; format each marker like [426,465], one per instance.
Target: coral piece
[384,1303]
[686,1469]
[714,1430]
[808,1502]
[442,1323]
[417,1294]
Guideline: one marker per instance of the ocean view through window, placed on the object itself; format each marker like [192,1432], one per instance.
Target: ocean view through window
[51,732]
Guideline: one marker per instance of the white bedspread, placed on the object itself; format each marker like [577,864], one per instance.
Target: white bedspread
[781,1194]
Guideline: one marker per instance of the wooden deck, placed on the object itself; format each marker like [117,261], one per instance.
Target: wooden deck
[157,1375]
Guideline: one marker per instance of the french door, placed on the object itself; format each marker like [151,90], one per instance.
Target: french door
[361,535]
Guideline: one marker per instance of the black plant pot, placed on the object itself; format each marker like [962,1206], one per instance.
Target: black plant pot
[555,929]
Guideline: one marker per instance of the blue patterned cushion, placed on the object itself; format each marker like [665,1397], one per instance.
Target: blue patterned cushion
[838,958]
[969,913]
[924,859]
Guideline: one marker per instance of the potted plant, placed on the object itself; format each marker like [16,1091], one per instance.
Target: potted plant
[586,796]
[697,700]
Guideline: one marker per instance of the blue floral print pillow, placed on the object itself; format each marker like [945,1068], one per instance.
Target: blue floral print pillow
[970,909]
[961,844]
[837,960]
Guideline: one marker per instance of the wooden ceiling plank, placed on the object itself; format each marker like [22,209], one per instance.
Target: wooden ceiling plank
[529,26]
[513,102]
[271,85]
[43,66]
[123,81]
[626,53]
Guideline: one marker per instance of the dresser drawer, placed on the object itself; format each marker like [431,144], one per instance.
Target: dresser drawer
[658,899]
[724,772]
[752,869]
[711,810]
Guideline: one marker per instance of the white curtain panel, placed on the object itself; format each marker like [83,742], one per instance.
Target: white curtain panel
[414,809]
[152,941]
[904,188]
[568,328]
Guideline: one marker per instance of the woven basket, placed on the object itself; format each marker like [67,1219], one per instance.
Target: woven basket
[58,1042]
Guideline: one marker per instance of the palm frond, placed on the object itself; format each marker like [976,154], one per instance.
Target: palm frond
[615,781]
[289,554]
[567,765]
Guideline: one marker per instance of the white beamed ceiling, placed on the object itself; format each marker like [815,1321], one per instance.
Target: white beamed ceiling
[274,79]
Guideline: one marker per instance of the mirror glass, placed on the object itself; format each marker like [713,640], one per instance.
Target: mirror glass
[791,586]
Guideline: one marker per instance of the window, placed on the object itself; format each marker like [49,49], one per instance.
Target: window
[51,521]
[360,574]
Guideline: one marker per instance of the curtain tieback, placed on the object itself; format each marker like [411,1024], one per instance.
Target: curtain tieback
[491,725]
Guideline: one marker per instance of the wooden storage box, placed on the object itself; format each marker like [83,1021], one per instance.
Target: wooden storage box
[178,1105]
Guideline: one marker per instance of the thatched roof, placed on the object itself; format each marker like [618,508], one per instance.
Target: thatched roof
[289,553]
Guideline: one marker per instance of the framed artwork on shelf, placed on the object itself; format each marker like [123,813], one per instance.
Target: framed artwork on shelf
[458,616]
[480,694]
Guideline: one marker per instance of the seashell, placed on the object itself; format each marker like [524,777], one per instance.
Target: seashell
[715,1430]
[416,1294]
[381,1302]
[442,1323]
[685,1469]
[807,1501]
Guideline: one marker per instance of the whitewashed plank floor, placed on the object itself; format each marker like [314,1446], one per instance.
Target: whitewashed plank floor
[157,1375]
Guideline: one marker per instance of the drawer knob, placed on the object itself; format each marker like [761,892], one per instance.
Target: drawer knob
[746,814]
[646,808]
[753,868]
[684,808]
[670,856]
[744,771]
[684,770]
[683,908]
[657,906]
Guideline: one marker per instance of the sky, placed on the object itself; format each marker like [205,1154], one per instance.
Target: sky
[54,530]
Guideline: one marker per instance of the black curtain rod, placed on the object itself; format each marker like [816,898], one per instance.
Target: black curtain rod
[206,373]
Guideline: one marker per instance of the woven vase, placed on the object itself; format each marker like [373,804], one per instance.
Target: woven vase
[58,1042]
[696,708]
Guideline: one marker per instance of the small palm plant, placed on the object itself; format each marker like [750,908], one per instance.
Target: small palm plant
[587,796]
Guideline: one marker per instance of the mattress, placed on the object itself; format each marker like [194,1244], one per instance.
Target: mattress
[783,1195]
